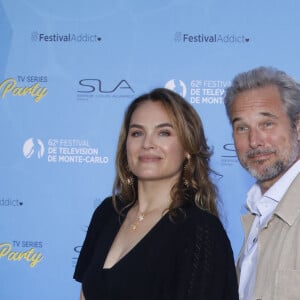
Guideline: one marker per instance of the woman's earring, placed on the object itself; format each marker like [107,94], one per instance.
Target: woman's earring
[186,177]
[130,180]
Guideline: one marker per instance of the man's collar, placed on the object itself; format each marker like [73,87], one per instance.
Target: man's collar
[289,207]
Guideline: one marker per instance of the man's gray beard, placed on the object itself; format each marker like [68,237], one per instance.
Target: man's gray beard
[270,172]
[279,167]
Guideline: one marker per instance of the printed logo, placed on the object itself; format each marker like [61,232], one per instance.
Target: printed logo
[77,250]
[30,255]
[229,157]
[33,147]
[215,38]
[64,151]
[64,38]
[177,86]
[9,87]
[200,91]
[90,88]
[10,202]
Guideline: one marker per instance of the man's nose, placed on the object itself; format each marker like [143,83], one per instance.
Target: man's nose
[255,138]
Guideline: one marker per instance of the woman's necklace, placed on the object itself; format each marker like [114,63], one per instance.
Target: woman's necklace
[139,218]
[153,214]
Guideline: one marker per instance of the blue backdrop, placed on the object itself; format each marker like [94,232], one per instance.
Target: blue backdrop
[68,70]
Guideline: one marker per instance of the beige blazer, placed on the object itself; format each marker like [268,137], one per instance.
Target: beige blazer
[278,269]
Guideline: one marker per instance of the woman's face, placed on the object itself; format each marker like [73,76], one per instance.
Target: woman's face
[154,151]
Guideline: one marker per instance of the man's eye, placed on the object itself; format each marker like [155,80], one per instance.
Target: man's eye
[241,128]
[268,124]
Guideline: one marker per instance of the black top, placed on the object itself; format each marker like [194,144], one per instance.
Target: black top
[189,259]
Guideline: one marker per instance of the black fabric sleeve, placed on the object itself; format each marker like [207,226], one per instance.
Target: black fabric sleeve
[99,218]
[206,266]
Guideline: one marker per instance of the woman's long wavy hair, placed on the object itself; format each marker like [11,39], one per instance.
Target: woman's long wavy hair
[195,183]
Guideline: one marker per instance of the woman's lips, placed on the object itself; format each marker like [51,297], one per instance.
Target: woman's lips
[149,158]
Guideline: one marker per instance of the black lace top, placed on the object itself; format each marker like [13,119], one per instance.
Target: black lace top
[189,259]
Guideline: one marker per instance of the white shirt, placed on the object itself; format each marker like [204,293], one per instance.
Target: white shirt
[263,207]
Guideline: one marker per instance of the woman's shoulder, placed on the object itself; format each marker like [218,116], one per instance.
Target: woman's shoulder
[107,203]
[105,208]
[203,228]
[197,217]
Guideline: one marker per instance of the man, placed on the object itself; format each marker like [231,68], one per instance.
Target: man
[263,106]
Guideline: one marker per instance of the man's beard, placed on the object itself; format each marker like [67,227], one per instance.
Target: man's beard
[269,172]
[278,167]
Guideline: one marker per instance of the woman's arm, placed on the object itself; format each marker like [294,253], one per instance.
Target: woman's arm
[206,270]
[81,295]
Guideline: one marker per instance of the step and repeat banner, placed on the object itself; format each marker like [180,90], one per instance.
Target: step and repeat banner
[68,70]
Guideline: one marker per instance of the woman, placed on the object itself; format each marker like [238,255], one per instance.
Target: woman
[159,235]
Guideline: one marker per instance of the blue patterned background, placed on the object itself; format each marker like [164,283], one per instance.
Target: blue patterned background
[69,69]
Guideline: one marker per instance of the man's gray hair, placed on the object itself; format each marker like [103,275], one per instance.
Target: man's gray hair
[288,88]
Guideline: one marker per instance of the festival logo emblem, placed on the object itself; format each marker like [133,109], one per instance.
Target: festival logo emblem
[33,147]
[177,86]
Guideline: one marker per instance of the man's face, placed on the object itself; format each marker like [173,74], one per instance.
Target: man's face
[265,141]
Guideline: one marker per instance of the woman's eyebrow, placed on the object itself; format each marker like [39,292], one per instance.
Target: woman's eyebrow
[134,125]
